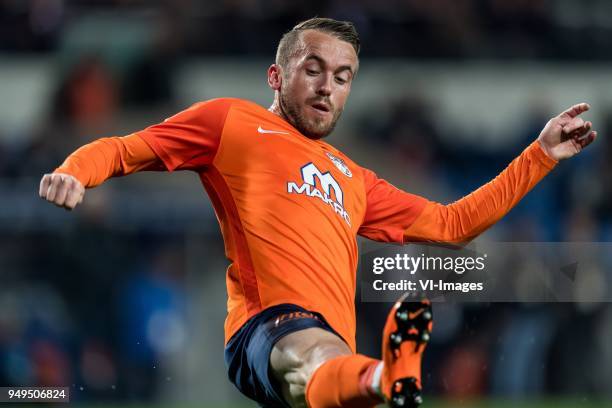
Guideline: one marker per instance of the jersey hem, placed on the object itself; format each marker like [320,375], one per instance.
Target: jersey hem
[231,331]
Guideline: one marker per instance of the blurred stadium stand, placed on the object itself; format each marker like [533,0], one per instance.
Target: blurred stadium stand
[124,298]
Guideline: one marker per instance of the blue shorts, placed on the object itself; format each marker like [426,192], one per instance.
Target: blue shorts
[247,354]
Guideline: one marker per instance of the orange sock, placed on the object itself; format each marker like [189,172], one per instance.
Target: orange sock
[344,381]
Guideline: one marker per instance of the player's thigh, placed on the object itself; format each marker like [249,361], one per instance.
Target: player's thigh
[296,356]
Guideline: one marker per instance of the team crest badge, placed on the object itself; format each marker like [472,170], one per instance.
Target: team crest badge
[340,164]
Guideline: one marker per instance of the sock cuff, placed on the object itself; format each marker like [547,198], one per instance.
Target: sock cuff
[356,366]
[370,379]
[376,379]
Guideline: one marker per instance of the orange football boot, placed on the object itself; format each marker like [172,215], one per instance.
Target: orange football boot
[407,332]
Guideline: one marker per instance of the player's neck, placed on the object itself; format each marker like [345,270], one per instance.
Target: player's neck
[276,109]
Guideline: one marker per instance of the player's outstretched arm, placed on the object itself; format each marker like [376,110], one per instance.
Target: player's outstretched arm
[563,137]
[94,163]
[185,141]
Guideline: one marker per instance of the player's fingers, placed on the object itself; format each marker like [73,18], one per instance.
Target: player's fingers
[75,196]
[588,139]
[54,186]
[575,110]
[582,132]
[572,125]
[44,185]
[63,190]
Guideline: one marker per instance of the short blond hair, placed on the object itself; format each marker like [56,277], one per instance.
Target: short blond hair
[343,30]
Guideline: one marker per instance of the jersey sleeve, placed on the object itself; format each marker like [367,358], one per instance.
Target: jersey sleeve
[463,220]
[396,216]
[108,157]
[189,139]
[389,210]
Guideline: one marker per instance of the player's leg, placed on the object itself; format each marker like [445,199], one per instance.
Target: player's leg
[318,366]
[285,352]
[301,340]
[288,356]
[354,380]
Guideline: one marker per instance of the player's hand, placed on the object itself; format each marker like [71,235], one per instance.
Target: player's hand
[62,190]
[567,134]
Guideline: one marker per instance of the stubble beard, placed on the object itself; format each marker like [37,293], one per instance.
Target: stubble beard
[313,129]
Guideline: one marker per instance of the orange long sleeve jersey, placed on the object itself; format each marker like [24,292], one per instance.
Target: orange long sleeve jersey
[290,208]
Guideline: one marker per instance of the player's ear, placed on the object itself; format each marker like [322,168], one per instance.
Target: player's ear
[275,77]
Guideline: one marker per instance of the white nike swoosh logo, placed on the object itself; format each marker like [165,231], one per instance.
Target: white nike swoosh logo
[261,130]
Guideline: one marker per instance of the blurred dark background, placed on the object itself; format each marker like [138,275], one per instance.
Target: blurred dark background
[124,299]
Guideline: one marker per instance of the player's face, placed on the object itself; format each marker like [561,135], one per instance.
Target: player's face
[316,83]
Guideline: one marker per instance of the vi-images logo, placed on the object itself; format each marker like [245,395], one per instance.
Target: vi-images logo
[310,173]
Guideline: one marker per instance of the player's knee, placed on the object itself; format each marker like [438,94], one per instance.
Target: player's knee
[295,393]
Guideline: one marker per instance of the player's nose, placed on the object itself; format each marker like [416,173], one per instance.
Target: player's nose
[324,86]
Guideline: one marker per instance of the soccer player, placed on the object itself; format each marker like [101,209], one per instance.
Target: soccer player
[290,207]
